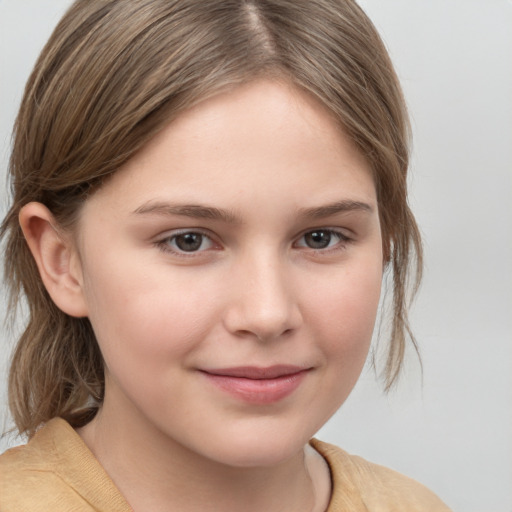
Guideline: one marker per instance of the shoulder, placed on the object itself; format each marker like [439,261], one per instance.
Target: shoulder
[55,471]
[362,485]
[28,472]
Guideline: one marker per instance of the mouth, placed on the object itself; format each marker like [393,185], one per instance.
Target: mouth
[258,385]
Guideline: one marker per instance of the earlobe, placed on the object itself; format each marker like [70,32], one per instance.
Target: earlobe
[56,258]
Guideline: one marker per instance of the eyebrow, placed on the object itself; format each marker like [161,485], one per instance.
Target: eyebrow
[188,210]
[230,217]
[345,206]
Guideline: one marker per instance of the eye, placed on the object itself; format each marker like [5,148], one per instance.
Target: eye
[321,239]
[186,242]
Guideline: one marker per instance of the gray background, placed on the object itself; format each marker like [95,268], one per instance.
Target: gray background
[453,431]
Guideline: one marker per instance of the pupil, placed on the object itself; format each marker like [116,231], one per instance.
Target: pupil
[318,239]
[189,241]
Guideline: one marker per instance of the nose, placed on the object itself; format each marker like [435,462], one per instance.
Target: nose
[264,303]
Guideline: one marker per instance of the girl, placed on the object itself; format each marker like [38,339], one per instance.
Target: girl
[205,197]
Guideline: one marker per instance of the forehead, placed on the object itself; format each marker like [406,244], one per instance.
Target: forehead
[263,136]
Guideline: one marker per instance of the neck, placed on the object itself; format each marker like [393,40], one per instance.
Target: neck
[155,473]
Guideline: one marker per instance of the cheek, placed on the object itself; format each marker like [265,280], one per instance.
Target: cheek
[341,315]
[346,311]
[142,317]
[147,334]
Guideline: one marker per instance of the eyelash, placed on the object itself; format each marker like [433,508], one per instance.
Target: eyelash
[164,243]
[341,244]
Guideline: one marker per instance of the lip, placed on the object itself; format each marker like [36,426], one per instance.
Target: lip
[258,385]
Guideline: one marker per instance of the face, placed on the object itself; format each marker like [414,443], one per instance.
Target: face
[231,272]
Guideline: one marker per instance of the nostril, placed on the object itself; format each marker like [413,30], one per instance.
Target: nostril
[272,335]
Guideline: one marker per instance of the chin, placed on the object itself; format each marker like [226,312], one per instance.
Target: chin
[259,447]
[261,455]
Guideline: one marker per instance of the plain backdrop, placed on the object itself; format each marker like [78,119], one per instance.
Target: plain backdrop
[451,430]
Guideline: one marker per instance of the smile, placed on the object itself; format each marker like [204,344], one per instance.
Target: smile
[256,385]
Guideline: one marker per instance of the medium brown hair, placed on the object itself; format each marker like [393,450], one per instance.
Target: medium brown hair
[113,74]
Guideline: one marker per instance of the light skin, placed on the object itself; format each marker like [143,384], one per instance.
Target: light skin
[245,234]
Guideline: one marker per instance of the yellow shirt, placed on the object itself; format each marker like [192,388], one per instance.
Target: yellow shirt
[56,472]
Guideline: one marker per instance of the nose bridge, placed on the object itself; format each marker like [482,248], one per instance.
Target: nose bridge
[264,303]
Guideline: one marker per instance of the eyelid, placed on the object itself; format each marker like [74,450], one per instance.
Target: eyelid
[161,242]
[344,239]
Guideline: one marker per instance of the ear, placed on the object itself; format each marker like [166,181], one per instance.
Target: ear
[56,258]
